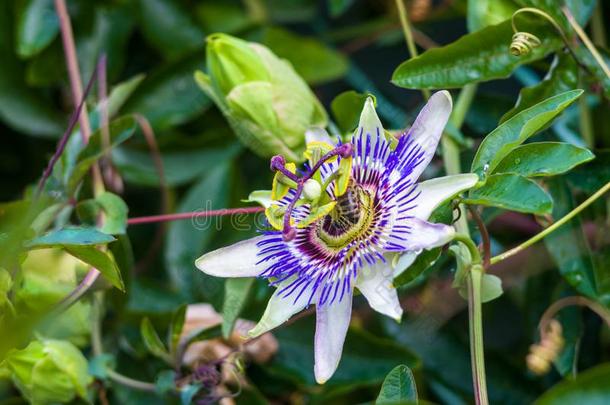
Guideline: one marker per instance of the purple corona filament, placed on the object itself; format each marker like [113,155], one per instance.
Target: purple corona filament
[278,163]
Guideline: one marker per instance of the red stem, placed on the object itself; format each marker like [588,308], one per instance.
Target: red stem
[196,214]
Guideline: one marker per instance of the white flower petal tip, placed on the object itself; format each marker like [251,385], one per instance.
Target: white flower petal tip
[238,260]
[446,95]
[436,191]
[369,120]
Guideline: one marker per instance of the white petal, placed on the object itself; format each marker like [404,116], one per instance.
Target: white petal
[435,191]
[428,127]
[332,322]
[404,261]
[375,283]
[369,138]
[238,260]
[317,134]
[426,235]
[280,309]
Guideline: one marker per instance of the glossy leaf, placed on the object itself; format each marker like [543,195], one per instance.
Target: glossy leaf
[100,260]
[70,237]
[236,296]
[477,57]
[518,129]
[543,159]
[590,387]
[482,13]
[512,192]
[562,76]
[398,387]
[37,26]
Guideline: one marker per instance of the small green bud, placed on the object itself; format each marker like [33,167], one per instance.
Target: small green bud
[231,62]
[268,105]
[312,189]
[49,371]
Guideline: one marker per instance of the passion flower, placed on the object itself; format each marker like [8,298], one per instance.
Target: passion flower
[371,213]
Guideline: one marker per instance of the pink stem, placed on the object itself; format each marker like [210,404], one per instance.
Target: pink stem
[196,214]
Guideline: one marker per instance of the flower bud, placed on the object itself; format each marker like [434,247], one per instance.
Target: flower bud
[49,371]
[268,105]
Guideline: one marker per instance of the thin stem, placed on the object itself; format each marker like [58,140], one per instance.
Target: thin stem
[585,39]
[130,382]
[72,64]
[557,306]
[63,142]
[195,214]
[79,291]
[471,246]
[85,128]
[552,228]
[406,30]
[486,244]
[475,314]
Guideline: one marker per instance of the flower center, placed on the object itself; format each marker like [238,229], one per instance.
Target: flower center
[350,219]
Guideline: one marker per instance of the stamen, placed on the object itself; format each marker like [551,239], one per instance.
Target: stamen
[278,163]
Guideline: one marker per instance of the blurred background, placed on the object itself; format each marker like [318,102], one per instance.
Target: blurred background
[153,48]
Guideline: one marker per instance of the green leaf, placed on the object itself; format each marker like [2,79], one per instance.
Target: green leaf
[562,76]
[121,93]
[151,339]
[70,237]
[115,209]
[313,60]
[482,13]
[477,57]
[398,387]
[165,382]
[169,28]
[543,159]
[491,287]
[211,332]
[119,129]
[21,107]
[568,245]
[589,387]
[37,26]
[346,109]
[599,76]
[424,260]
[177,325]
[512,192]
[518,129]
[169,96]
[102,261]
[236,296]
